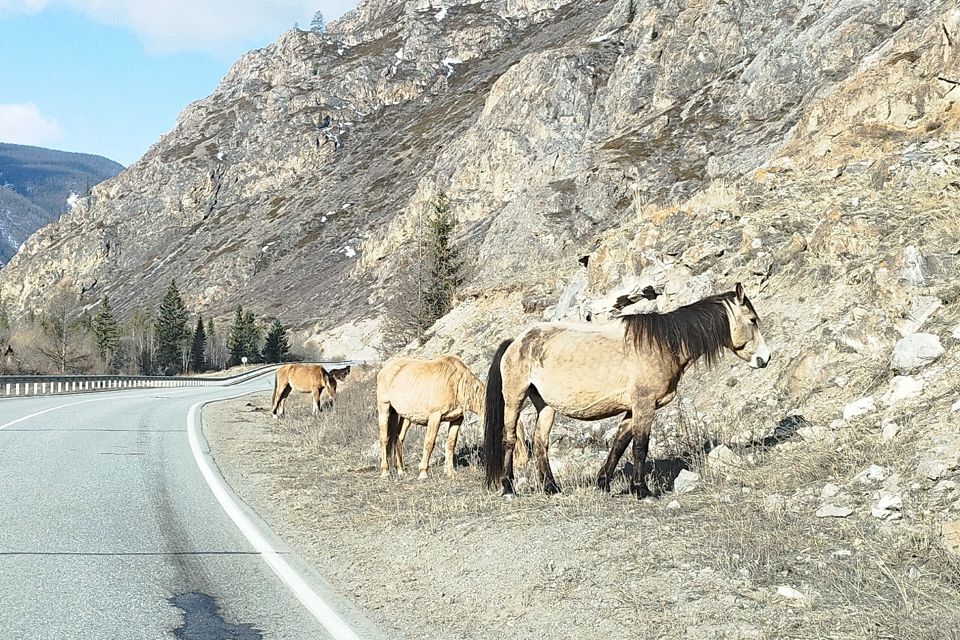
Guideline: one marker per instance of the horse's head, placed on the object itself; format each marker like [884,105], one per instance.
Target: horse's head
[745,338]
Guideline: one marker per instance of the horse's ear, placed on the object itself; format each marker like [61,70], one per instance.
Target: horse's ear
[741,295]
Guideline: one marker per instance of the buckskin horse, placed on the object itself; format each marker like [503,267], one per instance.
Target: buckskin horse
[427,392]
[304,378]
[591,372]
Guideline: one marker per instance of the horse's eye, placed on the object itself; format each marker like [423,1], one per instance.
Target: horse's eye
[755,321]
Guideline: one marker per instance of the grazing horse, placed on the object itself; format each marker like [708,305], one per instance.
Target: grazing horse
[305,378]
[590,372]
[425,392]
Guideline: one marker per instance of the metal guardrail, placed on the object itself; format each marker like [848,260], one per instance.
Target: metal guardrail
[20,386]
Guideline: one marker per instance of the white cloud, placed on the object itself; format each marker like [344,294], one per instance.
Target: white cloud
[24,124]
[219,26]
[22,6]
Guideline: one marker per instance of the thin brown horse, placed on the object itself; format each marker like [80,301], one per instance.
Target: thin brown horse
[427,392]
[304,378]
[630,367]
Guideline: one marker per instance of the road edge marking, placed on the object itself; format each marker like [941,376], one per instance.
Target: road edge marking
[71,404]
[335,625]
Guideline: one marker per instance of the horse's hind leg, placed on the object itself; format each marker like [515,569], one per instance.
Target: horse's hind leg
[617,447]
[541,442]
[316,392]
[429,441]
[642,421]
[282,394]
[383,420]
[398,447]
[452,445]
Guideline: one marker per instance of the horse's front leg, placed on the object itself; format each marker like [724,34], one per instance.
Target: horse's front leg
[617,447]
[429,441]
[642,422]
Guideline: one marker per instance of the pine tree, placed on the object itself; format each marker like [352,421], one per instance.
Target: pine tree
[318,24]
[276,346]
[252,337]
[443,265]
[236,341]
[106,332]
[198,348]
[171,330]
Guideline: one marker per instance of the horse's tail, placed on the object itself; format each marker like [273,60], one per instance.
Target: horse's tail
[493,419]
[393,432]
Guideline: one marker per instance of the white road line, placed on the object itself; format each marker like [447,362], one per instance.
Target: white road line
[325,615]
[70,404]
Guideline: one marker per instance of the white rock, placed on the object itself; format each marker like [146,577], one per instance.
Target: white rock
[873,473]
[686,481]
[812,433]
[889,431]
[887,505]
[956,332]
[840,381]
[723,456]
[790,593]
[920,311]
[839,423]
[902,388]
[915,351]
[932,469]
[955,406]
[858,408]
[912,271]
[833,511]
[673,505]
[830,490]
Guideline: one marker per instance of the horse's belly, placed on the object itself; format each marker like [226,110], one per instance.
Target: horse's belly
[420,414]
[584,404]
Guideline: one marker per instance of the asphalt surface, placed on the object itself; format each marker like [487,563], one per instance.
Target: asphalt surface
[108,530]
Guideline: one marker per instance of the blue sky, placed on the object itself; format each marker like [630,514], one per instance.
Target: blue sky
[110,76]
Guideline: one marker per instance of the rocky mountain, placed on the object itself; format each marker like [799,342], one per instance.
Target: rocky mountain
[35,184]
[601,156]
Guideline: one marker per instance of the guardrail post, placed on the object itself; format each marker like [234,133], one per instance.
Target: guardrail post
[17,387]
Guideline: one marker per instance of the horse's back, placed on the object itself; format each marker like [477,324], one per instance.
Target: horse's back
[416,386]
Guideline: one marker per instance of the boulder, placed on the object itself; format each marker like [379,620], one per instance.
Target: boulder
[902,388]
[686,481]
[915,351]
[833,511]
[858,408]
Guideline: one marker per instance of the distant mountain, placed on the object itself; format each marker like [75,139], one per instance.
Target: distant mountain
[35,184]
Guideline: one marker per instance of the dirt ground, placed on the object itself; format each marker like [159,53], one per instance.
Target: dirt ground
[741,556]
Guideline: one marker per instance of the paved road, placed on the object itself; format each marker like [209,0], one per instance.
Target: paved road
[108,530]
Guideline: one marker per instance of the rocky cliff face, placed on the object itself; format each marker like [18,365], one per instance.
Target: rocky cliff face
[35,185]
[639,133]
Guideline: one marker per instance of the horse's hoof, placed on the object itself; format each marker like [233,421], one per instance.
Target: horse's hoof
[603,483]
[550,487]
[422,476]
[640,490]
[508,497]
[384,475]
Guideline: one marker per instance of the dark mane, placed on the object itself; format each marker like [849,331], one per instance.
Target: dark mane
[697,330]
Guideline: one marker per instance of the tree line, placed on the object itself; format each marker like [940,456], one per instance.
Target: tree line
[65,337]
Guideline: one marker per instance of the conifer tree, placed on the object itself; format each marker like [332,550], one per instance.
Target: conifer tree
[236,341]
[443,260]
[106,332]
[318,24]
[252,337]
[198,347]
[276,347]
[171,330]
